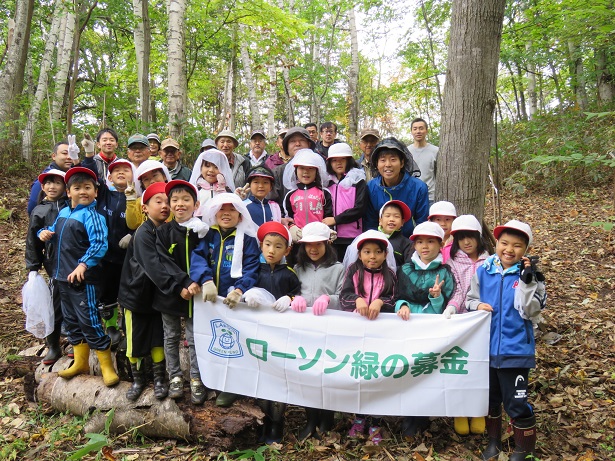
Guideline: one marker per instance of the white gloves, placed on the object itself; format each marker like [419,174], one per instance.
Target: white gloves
[282,304]
[73,148]
[296,233]
[87,144]
[124,241]
[210,291]
[450,310]
[130,192]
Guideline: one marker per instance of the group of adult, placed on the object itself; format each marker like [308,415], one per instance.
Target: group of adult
[393,170]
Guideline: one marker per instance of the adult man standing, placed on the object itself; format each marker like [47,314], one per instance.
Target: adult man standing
[368,138]
[312,128]
[328,135]
[425,155]
[138,149]
[257,155]
[107,142]
[227,143]
[170,154]
[280,157]
[60,160]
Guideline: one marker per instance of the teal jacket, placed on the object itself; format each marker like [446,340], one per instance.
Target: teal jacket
[414,280]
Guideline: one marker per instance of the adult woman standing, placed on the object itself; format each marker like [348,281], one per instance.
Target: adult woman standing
[396,180]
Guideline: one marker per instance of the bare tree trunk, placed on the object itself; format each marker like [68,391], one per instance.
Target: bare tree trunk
[606,80]
[432,56]
[578,80]
[469,102]
[12,77]
[290,109]
[531,81]
[225,115]
[246,62]
[523,110]
[273,98]
[176,67]
[558,89]
[233,112]
[142,36]
[63,65]
[353,81]
[513,82]
[41,89]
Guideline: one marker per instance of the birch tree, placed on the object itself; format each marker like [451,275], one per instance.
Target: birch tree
[176,71]
[353,81]
[65,48]
[142,35]
[246,62]
[469,102]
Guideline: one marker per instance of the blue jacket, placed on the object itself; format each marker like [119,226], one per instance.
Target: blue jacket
[81,237]
[212,258]
[512,337]
[412,191]
[261,211]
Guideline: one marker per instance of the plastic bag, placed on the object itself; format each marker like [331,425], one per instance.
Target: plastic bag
[258,297]
[38,306]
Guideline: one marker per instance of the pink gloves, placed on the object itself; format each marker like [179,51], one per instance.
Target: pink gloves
[320,305]
[299,304]
[220,186]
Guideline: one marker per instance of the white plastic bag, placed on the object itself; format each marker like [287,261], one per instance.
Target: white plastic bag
[38,306]
[258,297]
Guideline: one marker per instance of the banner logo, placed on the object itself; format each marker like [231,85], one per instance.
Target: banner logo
[225,340]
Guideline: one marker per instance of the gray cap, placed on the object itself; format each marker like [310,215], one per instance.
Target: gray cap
[208,143]
[258,133]
[227,134]
[138,139]
[297,130]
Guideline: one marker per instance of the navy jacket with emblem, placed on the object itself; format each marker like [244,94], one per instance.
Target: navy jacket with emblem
[279,281]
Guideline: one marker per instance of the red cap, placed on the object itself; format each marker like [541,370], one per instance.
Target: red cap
[119,161]
[80,169]
[156,188]
[273,227]
[179,182]
[406,214]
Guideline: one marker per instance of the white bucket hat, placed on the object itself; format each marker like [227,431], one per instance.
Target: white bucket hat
[309,158]
[516,225]
[315,232]
[428,229]
[466,222]
[442,209]
[217,158]
[339,150]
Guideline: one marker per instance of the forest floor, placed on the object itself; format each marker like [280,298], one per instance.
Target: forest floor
[572,388]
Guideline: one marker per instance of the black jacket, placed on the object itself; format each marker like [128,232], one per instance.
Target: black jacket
[402,246]
[136,289]
[281,281]
[42,254]
[174,245]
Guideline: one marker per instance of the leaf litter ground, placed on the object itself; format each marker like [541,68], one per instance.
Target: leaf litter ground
[572,389]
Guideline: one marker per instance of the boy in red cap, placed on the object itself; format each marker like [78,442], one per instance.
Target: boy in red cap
[39,254]
[144,332]
[392,217]
[80,234]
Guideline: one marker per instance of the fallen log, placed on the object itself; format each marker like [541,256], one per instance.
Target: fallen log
[210,424]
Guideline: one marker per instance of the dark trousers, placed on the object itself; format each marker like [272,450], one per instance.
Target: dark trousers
[81,317]
[57,305]
[110,277]
[509,386]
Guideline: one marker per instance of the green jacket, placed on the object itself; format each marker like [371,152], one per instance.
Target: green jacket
[414,281]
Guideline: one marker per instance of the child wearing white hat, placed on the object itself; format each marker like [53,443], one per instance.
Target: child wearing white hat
[444,213]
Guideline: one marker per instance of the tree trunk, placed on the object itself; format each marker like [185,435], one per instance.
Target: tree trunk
[215,426]
[522,109]
[176,67]
[233,112]
[468,104]
[606,80]
[578,78]
[12,76]
[142,35]
[432,56]
[290,110]
[513,82]
[246,62]
[41,89]
[63,65]
[225,115]
[353,81]
[273,99]
[531,81]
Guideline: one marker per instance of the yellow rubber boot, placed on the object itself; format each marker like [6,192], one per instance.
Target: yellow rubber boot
[81,362]
[110,377]
[477,425]
[461,426]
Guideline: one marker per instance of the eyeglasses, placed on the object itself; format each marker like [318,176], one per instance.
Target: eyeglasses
[329,131]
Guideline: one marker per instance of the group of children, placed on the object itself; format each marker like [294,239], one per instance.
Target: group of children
[200,238]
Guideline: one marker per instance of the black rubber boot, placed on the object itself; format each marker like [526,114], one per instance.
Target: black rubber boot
[327,419]
[494,432]
[161,384]
[414,425]
[264,405]
[138,383]
[525,439]
[54,352]
[115,335]
[313,418]
[276,432]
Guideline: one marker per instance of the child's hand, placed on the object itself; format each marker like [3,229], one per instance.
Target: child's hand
[78,275]
[124,241]
[194,289]
[130,192]
[210,291]
[484,307]
[436,290]
[220,186]
[329,221]
[281,304]
[450,310]
[287,221]
[404,313]
[185,294]
[374,309]
[299,304]
[320,305]
[243,192]
[233,298]
[295,233]
[362,307]
[45,235]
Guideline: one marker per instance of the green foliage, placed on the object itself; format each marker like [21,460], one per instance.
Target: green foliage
[257,455]
[96,441]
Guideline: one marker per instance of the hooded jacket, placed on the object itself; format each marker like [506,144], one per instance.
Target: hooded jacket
[42,254]
[308,203]
[263,211]
[463,269]
[321,280]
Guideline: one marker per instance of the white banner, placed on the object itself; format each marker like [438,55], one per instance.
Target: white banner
[427,366]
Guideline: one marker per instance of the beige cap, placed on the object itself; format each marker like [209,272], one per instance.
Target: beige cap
[169,142]
[369,132]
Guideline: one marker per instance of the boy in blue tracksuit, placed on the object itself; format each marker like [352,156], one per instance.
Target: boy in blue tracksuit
[508,286]
[80,234]
[226,261]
